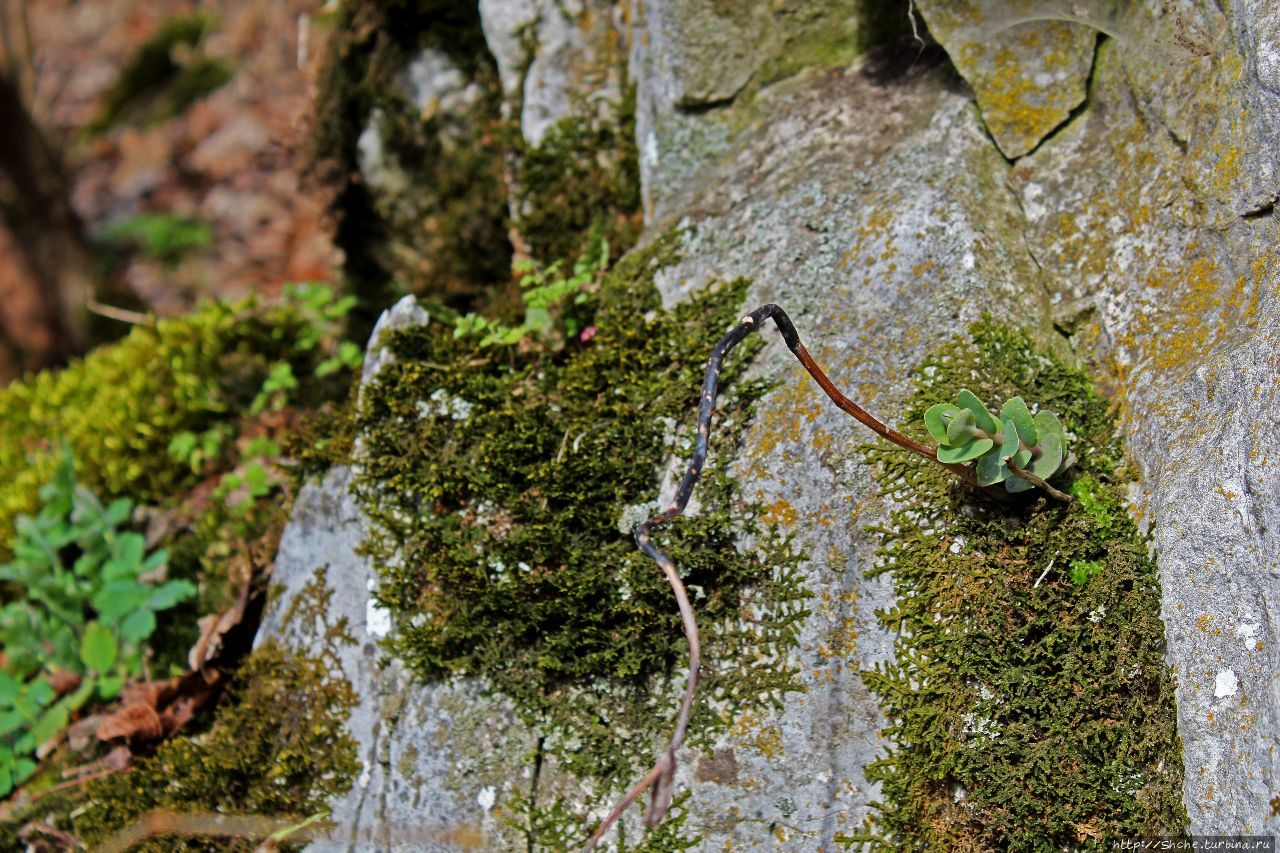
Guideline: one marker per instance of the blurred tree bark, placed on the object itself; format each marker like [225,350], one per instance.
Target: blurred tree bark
[43,313]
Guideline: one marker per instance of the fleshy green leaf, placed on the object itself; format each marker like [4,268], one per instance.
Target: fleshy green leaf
[936,420]
[1047,422]
[960,431]
[967,400]
[1009,444]
[98,647]
[965,452]
[1016,410]
[992,470]
[1016,484]
[1050,456]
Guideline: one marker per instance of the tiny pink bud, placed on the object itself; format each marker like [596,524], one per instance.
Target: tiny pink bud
[587,334]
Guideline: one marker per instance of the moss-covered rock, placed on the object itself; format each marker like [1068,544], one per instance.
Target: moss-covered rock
[502,489]
[279,749]
[119,407]
[1030,704]
[582,179]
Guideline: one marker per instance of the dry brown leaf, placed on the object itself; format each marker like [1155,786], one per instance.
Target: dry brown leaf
[132,722]
[63,681]
[214,627]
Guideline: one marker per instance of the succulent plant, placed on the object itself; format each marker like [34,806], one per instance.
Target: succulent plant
[966,431]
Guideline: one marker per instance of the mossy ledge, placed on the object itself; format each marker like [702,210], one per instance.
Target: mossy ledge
[120,406]
[502,488]
[278,749]
[1028,711]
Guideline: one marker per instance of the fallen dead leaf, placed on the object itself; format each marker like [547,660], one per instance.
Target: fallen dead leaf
[132,722]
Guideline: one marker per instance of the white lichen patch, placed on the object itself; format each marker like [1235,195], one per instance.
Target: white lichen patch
[1225,684]
[441,402]
[377,619]
[487,797]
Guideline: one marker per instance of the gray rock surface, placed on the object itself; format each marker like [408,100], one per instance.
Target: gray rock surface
[876,215]
[435,86]
[702,67]
[1028,66]
[872,204]
[556,58]
[433,765]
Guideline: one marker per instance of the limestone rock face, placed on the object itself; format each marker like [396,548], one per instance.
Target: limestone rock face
[556,58]
[436,757]
[1027,75]
[700,64]
[1150,216]
[1128,225]
[1140,217]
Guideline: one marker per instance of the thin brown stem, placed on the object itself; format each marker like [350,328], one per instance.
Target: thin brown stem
[123,315]
[1034,480]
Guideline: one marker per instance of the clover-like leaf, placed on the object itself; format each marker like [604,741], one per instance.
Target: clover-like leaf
[98,648]
[965,452]
[53,721]
[138,626]
[936,419]
[1016,410]
[986,422]
[961,430]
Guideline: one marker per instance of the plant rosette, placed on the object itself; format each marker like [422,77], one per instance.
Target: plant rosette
[1016,442]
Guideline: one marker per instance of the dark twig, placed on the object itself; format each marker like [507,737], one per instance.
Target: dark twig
[661,777]
[1038,481]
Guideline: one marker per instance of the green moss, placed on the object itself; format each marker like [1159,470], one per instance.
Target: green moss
[323,439]
[1028,712]
[447,240]
[497,481]
[120,406]
[280,748]
[583,175]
